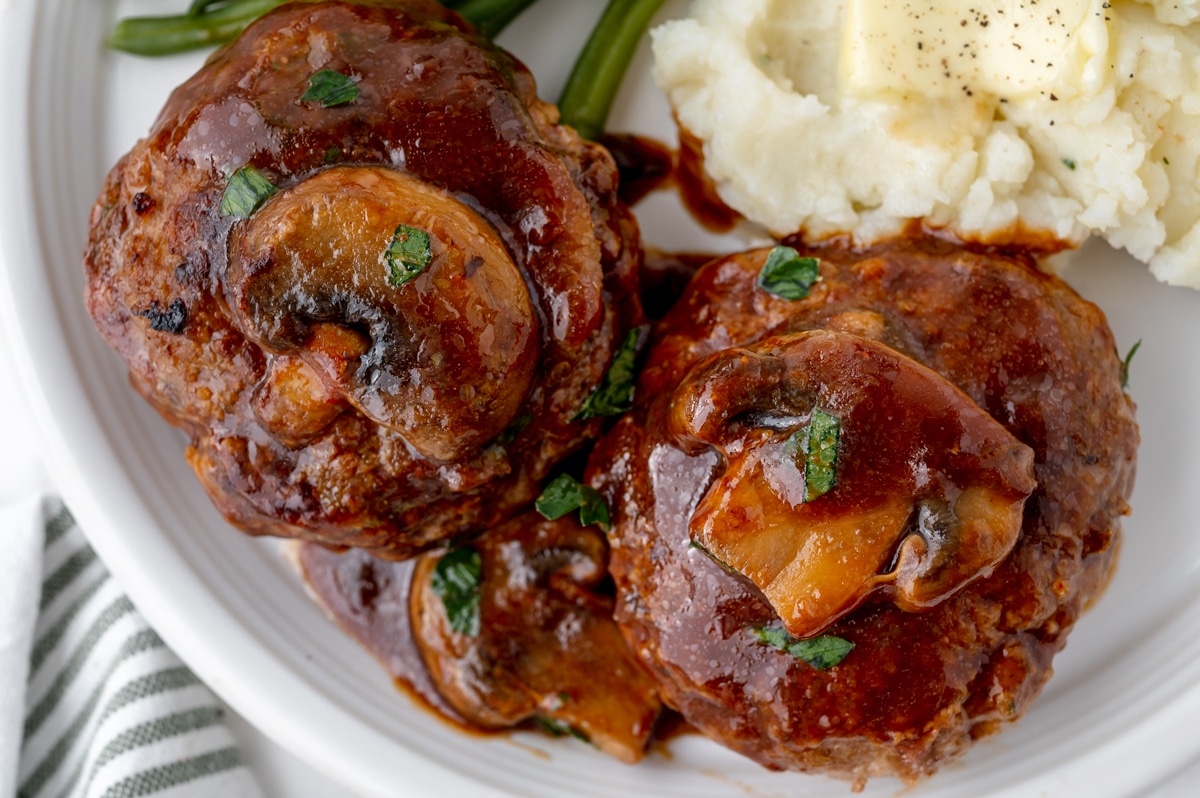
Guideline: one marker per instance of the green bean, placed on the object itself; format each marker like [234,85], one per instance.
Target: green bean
[211,22]
[200,6]
[198,27]
[489,16]
[596,76]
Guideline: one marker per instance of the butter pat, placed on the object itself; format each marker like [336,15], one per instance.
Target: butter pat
[942,49]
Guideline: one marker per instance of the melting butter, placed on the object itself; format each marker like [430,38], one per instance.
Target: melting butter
[941,49]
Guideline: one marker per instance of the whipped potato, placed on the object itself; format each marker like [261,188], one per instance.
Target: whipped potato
[996,120]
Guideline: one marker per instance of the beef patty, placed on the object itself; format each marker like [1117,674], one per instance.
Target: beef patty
[955,620]
[358,261]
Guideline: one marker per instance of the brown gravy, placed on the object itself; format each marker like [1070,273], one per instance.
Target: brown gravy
[665,275]
[368,598]
[647,165]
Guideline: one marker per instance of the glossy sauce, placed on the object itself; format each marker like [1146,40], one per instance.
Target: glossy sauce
[543,651]
[697,190]
[647,165]
[368,598]
[665,275]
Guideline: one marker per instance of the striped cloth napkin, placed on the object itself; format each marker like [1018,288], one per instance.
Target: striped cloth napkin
[92,703]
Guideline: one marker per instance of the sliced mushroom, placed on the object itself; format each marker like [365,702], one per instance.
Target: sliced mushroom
[450,336]
[927,489]
[543,644]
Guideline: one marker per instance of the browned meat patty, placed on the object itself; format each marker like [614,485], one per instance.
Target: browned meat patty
[921,540]
[381,337]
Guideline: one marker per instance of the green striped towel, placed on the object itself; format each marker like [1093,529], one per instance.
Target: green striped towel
[108,710]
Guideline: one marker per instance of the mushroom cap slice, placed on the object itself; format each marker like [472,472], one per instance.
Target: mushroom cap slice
[541,643]
[928,494]
[447,328]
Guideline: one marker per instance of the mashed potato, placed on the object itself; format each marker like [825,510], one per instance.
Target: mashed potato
[820,115]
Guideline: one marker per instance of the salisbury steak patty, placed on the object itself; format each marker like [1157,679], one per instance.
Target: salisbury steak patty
[708,439]
[383,340]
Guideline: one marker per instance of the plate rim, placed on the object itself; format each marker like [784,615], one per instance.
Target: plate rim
[92,487]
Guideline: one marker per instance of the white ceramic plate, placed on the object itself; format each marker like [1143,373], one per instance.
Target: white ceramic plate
[1120,713]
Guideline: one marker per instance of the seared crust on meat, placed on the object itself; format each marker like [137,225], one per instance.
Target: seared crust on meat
[278,441]
[917,687]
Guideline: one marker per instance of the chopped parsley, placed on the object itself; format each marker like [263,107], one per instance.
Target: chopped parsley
[556,728]
[821,652]
[1125,363]
[1069,163]
[246,190]
[787,275]
[565,494]
[407,255]
[455,581]
[818,443]
[514,429]
[330,88]
[614,395]
[701,547]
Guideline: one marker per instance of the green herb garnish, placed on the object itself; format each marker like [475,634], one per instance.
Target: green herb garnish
[818,443]
[246,190]
[593,510]
[407,255]
[787,275]
[556,728]
[701,547]
[330,88]
[455,581]
[614,396]
[1125,363]
[514,429]
[1069,163]
[821,652]
[565,493]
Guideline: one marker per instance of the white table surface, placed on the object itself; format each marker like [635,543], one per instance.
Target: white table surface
[280,774]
